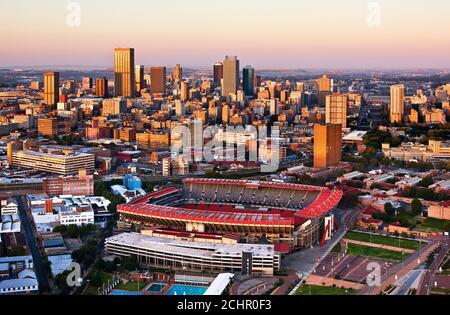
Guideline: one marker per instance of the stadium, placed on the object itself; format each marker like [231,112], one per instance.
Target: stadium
[291,216]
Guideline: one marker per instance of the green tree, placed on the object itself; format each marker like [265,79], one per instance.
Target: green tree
[416,207]
[389,209]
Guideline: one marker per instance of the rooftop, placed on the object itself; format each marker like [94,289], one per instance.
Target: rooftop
[190,248]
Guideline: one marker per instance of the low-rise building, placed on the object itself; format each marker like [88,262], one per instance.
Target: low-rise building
[195,256]
[411,151]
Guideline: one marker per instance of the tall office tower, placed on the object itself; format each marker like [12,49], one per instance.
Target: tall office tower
[140,83]
[218,73]
[325,84]
[231,79]
[51,88]
[397,106]
[177,73]
[248,74]
[336,109]
[180,108]
[158,76]
[124,72]
[327,145]
[184,91]
[101,87]
[226,113]
[48,126]
[86,83]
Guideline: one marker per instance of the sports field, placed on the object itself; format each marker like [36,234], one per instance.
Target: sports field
[383,240]
[374,252]
[307,289]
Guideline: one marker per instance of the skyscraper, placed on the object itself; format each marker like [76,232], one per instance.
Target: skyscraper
[397,106]
[177,73]
[231,79]
[86,83]
[327,145]
[101,87]
[124,72]
[51,88]
[336,109]
[218,73]
[180,108]
[248,74]
[325,87]
[140,83]
[325,84]
[184,95]
[158,77]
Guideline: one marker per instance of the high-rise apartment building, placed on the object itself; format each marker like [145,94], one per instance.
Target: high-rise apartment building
[248,75]
[101,87]
[336,109]
[124,72]
[327,145]
[86,83]
[230,83]
[177,73]
[114,106]
[158,77]
[51,88]
[397,106]
[218,73]
[140,83]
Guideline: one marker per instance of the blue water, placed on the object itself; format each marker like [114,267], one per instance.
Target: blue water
[156,287]
[178,289]
[126,293]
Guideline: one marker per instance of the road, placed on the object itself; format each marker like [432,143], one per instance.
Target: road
[41,272]
[401,269]
[429,274]
[305,261]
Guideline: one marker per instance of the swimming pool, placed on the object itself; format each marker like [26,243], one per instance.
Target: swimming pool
[118,292]
[179,289]
[156,287]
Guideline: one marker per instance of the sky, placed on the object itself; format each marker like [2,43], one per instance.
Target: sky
[268,34]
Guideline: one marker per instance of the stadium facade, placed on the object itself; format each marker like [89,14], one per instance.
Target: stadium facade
[297,216]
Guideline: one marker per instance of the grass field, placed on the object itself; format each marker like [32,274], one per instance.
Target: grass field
[131,286]
[374,252]
[307,289]
[435,225]
[93,290]
[383,240]
[337,248]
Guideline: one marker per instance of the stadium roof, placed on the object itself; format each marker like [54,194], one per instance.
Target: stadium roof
[219,284]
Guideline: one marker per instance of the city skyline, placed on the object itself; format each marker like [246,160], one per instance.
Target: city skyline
[323,34]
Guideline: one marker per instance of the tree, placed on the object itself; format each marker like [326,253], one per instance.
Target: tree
[416,207]
[389,209]
[427,181]
[130,264]
[96,280]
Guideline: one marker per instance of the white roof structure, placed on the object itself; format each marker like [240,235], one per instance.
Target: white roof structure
[10,224]
[352,175]
[59,263]
[356,135]
[219,284]
[190,248]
